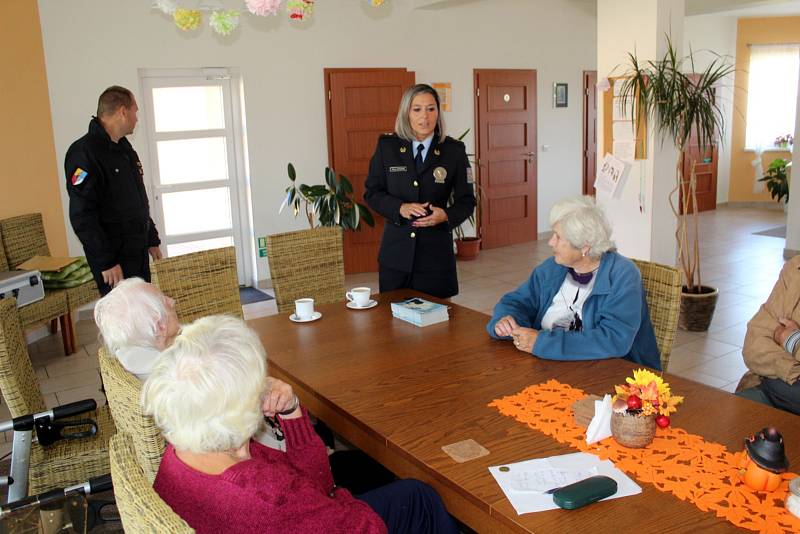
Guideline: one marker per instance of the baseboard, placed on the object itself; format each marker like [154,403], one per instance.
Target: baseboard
[752,204]
[544,235]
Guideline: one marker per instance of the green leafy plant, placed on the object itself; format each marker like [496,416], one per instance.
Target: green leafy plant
[680,103]
[459,231]
[328,204]
[777,180]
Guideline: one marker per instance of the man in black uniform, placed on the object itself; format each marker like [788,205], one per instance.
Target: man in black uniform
[108,204]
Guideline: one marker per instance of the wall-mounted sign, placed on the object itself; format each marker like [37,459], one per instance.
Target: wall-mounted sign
[445,91]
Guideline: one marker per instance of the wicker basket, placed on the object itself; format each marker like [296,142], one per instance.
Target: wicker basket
[633,431]
[697,310]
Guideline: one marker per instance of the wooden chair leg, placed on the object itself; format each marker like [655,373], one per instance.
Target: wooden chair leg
[67,333]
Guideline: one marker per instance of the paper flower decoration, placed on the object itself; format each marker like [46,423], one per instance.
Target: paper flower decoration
[165,6]
[187,19]
[300,9]
[224,22]
[376,3]
[262,8]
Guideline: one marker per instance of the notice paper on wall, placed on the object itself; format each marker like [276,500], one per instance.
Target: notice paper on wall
[527,484]
[609,174]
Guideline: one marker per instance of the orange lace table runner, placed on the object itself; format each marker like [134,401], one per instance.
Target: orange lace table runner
[692,469]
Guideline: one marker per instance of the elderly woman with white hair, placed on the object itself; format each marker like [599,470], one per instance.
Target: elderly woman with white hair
[136,322]
[208,393]
[584,303]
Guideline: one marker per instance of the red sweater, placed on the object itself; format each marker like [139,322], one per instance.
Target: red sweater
[273,491]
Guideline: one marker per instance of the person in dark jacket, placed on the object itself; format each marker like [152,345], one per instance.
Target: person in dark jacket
[108,205]
[420,181]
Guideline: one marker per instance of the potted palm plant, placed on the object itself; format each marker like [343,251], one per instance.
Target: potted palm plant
[329,204]
[681,105]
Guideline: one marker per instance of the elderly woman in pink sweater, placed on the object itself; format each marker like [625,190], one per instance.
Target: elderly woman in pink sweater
[208,393]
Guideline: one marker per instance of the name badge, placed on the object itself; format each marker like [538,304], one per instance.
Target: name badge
[398,169]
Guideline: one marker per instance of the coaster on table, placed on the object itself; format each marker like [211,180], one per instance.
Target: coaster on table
[583,410]
[463,451]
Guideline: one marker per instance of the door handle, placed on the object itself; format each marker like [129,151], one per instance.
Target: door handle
[529,155]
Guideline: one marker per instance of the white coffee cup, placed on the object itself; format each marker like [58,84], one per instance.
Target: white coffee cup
[304,308]
[359,296]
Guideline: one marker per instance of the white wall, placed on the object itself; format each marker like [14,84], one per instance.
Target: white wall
[91,44]
[716,33]
[625,26]
[792,247]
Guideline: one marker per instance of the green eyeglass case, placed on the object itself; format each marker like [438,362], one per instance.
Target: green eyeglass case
[585,492]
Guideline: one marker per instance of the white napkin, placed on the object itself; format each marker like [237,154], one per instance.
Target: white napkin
[600,425]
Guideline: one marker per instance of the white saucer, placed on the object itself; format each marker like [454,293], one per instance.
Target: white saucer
[370,304]
[314,316]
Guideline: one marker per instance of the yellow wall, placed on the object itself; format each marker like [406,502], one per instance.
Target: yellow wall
[773,30]
[29,177]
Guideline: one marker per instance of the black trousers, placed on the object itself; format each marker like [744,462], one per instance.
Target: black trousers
[410,506]
[442,284]
[132,265]
[782,395]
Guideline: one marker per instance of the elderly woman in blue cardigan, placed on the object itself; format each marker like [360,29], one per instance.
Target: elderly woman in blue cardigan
[586,302]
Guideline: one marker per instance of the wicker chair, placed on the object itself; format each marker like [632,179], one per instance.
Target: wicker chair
[23,238]
[66,462]
[140,507]
[308,263]
[3,260]
[47,310]
[202,283]
[123,391]
[662,285]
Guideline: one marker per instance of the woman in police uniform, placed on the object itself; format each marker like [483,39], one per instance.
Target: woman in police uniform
[412,177]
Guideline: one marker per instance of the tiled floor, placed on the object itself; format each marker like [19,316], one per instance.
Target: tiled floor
[744,266]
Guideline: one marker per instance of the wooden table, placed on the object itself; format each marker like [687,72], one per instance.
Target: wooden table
[400,393]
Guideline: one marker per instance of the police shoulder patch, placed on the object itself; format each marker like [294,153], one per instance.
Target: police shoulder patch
[79,176]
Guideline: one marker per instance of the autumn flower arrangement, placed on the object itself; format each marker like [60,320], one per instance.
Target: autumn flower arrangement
[646,394]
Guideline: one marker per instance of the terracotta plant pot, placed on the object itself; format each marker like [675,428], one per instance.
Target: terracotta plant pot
[468,248]
[697,309]
[633,431]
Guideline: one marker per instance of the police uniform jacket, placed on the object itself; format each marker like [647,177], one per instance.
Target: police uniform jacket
[393,180]
[108,205]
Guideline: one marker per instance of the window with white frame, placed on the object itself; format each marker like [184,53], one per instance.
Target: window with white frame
[771,94]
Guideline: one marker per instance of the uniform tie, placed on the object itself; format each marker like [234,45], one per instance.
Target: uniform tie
[418,158]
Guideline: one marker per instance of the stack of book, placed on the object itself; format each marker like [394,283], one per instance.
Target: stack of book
[420,312]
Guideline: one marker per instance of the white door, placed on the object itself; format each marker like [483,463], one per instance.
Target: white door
[196,162]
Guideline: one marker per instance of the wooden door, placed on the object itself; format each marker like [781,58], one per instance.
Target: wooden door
[705,168]
[589,131]
[505,115]
[361,104]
